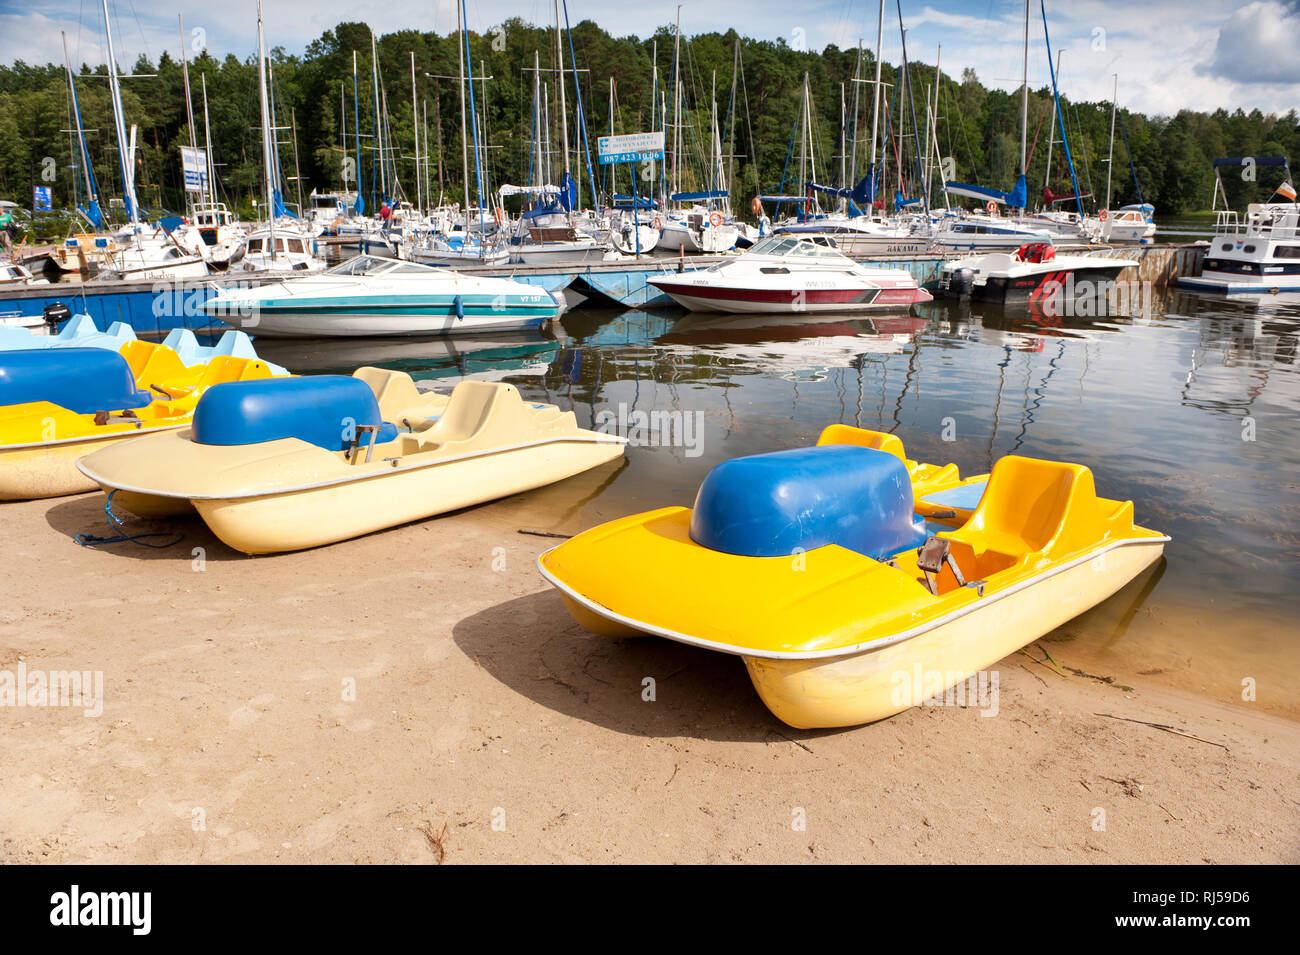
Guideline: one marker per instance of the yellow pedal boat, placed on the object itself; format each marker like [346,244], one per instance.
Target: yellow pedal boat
[57,405]
[291,463]
[856,583]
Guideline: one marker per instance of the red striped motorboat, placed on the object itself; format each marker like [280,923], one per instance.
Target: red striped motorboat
[793,274]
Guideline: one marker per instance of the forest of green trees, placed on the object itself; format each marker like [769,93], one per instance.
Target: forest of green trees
[978,127]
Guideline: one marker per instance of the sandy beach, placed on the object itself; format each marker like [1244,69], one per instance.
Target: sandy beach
[420,695]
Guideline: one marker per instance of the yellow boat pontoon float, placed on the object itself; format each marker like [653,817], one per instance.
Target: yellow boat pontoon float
[57,404]
[290,463]
[854,582]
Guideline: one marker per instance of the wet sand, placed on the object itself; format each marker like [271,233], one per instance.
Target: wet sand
[487,727]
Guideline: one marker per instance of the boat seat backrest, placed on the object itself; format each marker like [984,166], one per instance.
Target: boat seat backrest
[83,380]
[469,410]
[325,410]
[1032,506]
[394,390]
[788,502]
[862,438]
[481,415]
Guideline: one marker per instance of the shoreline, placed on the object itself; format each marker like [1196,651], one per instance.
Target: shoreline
[479,706]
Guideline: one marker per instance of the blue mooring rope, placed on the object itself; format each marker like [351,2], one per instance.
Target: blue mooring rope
[90,540]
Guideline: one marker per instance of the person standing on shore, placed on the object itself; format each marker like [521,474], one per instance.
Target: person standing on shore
[6,223]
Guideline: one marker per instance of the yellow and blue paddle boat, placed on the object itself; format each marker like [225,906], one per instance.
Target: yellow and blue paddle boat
[856,583]
[57,404]
[290,463]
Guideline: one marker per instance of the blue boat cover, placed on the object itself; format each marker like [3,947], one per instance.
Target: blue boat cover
[773,505]
[324,410]
[83,380]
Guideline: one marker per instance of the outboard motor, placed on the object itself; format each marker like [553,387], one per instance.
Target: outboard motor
[958,282]
[54,314]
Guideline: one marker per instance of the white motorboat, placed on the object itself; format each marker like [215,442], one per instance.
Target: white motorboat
[1260,256]
[859,235]
[373,296]
[792,274]
[1134,223]
[696,231]
[285,249]
[977,231]
[1034,274]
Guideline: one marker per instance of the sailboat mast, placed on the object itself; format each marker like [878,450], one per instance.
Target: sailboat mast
[207,142]
[81,134]
[875,106]
[356,132]
[1051,129]
[1024,99]
[415,129]
[559,82]
[379,127]
[189,105]
[123,154]
[677,47]
[731,122]
[464,132]
[1110,150]
[267,133]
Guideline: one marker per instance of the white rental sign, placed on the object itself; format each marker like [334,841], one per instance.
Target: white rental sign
[635,147]
[195,164]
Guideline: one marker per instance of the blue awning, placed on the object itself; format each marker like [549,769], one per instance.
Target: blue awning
[696,196]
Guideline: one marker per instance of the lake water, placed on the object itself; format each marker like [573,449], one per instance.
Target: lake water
[1188,408]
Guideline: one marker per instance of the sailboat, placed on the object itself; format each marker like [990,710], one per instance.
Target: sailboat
[1131,223]
[701,220]
[142,252]
[282,245]
[971,231]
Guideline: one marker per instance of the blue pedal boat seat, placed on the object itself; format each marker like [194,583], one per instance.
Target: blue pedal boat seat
[83,380]
[773,505]
[325,410]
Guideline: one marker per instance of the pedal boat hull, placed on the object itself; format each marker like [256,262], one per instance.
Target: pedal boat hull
[819,653]
[287,494]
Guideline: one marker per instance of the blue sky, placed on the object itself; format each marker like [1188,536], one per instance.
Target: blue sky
[1169,54]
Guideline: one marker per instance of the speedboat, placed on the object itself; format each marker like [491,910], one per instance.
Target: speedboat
[268,467]
[793,274]
[369,295]
[856,583]
[57,404]
[1033,274]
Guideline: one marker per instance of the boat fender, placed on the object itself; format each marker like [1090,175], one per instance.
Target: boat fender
[756,206]
[460,308]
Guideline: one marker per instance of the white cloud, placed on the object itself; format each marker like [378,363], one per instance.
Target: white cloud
[1169,54]
[1258,44]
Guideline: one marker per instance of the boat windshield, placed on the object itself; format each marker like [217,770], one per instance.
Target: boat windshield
[803,246]
[377,264]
